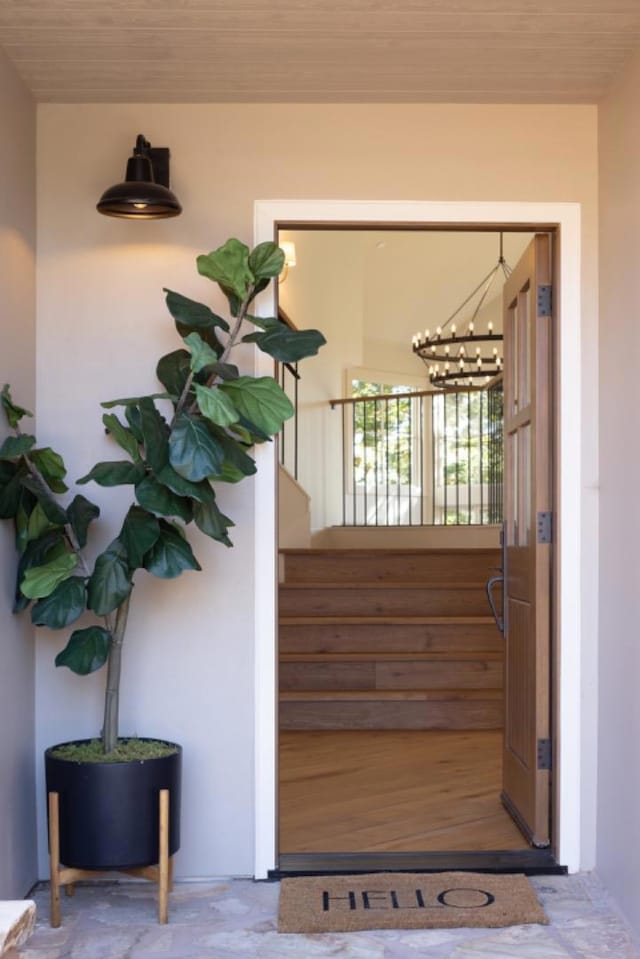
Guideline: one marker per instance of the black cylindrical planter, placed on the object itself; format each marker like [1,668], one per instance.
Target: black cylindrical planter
[109,812]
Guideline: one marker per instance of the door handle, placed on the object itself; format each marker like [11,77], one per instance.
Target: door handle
[491,584]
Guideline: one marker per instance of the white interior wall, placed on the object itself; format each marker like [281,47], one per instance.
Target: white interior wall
[324,291]
[18,869]
[189,669]
[618,855]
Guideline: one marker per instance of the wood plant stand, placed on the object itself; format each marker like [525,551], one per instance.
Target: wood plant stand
[162,873]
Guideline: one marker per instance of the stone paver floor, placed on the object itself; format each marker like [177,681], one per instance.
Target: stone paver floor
[237,919]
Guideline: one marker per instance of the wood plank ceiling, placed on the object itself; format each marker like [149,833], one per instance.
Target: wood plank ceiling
[341,51]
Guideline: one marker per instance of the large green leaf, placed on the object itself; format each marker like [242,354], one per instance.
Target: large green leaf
[86,651]
[202,355]
[261,400]
[191,316]
[13,412]
[286,345]
[157,498]
[38,553]
[7,471]
[41,581]
[39,523]
[132,416]
[194,452]
[21,522]
[41,551]
[15,446]
[211,521]
[139,532]
[183,487]
[226,371]
[229,267]
[63,606]
[234,454]
[26,506]
[248,433]
[133,400]
[122,435]
[216,406]
[228,474]
[115,473]
[53,510]
[172,371]
[52,467]
[156,435]
[80,514]
[266,260]
[171,554]
[110,582]
[11,477]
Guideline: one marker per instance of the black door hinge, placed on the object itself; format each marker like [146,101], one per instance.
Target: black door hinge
[544,754]
[544,300]
[545,527]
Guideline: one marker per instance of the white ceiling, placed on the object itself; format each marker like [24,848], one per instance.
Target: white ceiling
[409,280]
[544,51]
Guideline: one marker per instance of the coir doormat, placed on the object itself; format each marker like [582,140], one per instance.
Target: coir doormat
[406,901]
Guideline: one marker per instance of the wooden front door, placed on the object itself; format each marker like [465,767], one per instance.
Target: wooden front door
[527,549]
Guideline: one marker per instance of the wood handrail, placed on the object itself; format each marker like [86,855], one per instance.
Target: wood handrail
[403,396]
[284,317]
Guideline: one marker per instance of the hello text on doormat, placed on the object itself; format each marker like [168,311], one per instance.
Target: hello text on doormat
[406,901]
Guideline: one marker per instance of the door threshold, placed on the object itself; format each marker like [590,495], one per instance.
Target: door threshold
[531,862]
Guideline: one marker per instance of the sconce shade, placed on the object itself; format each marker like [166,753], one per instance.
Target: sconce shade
[145,193]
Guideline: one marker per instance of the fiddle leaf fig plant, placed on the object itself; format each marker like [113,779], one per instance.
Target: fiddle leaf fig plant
[173,462]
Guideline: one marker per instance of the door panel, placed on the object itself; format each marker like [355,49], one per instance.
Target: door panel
[527,412]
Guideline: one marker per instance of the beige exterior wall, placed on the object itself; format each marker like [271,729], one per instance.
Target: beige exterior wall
[189,665]
[619,732]
[17,366]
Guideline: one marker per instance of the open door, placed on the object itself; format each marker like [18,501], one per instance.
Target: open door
[527,541]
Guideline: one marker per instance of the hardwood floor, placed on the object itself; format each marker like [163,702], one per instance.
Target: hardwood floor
[395,791]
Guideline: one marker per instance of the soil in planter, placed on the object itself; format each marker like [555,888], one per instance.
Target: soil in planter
[126,750]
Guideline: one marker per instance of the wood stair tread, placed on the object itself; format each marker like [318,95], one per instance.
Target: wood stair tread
[394,619]
[393,695]
[395,551]
[381,584]
[390,656]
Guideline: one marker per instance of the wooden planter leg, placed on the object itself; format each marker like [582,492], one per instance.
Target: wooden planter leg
[60,876]
[164,878]
[54,858]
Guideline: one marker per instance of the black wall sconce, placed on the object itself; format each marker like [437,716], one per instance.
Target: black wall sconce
[145,193]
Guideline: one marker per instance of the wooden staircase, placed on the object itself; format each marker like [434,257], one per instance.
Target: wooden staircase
[388,639]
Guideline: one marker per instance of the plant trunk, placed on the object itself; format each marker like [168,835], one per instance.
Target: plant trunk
[112,690]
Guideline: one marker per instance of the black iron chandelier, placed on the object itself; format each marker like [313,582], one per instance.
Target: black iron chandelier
[468,356]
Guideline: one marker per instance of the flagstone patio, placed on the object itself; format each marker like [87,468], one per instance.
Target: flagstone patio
[236,919]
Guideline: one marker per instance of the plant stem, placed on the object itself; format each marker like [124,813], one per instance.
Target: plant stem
[68,528]
[115,626]
[112,690]
[213,379]
[242,312]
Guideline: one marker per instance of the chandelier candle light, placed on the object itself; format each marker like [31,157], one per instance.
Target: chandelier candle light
[462,358]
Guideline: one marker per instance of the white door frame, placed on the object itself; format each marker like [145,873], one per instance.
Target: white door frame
[567,599]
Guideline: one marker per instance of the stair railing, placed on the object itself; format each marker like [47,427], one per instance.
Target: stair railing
[289,379]
[425,457]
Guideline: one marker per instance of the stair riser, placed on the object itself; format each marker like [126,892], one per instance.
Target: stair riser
[391,715]
[391,675]
[391,638]
[383,602]
[428,568]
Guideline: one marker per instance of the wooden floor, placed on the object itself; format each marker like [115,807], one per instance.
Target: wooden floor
[395,791]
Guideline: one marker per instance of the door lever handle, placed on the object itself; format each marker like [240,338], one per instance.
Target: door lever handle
[491,584]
